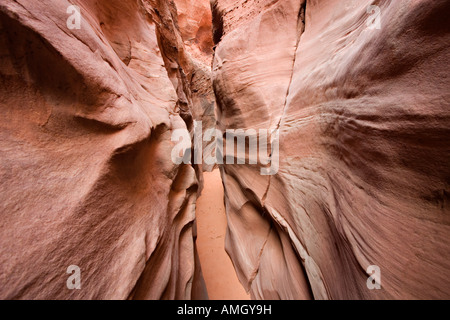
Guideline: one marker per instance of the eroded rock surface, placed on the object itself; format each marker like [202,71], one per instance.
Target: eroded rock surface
[195,24]
[85,141]
[364,120]
[86,172]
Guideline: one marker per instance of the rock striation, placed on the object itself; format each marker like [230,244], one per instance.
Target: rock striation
[359,93]
[85,140]
[354,95]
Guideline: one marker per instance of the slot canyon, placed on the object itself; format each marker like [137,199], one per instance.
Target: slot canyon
[351,202]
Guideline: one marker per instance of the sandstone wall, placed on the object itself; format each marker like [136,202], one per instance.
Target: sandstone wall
[364,175]
[85,141]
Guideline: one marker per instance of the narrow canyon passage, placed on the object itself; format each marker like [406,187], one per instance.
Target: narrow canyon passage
[109,109]
[220,276]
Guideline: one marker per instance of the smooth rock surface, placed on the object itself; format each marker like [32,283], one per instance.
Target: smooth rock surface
[362,111]
[195,25]
[85,140]
[364,120]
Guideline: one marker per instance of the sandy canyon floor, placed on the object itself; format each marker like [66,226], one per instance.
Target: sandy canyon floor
[220,276]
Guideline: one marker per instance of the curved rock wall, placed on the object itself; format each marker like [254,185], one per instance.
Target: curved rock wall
[360,105]
[85,141]
[364,174]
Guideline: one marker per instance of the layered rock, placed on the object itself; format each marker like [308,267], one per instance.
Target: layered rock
[87,178]
[195,24]
[363,119]
[86,172]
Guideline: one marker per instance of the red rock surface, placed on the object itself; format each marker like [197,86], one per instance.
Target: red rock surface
[364,123]
[86,174]
[85,142]
[195,23]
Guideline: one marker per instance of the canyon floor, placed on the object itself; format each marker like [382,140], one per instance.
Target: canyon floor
[218,271]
